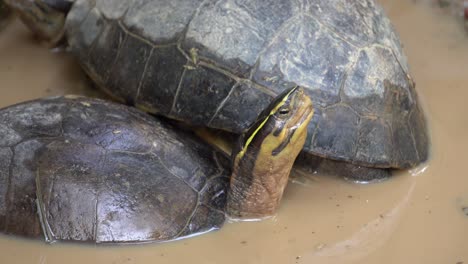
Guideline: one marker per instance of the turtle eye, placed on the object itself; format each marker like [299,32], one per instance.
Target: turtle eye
[283,111]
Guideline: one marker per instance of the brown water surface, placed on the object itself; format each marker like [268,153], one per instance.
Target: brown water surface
[413,218]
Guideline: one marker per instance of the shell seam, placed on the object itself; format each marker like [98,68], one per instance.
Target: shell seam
[195,14]
[176,95]
[221,106]
[337,34]
[178,177]
[275,36]
[143,39]
[143,75]
[113,65]
[195,209]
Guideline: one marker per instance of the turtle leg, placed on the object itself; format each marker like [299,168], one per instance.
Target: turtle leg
[46,18]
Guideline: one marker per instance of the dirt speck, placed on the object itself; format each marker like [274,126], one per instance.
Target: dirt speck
[465,210]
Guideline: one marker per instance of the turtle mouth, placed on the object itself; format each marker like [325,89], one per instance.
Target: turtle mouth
[306,116]
[303,113]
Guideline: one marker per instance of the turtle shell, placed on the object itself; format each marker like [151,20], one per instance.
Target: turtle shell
[78,169]
[218,63]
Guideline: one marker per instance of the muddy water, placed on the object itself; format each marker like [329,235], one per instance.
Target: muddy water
[414,218]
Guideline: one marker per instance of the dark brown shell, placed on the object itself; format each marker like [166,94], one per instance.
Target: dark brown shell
[218,63]
[79,169]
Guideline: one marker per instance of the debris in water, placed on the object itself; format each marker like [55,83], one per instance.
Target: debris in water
[319,246]
[465,210]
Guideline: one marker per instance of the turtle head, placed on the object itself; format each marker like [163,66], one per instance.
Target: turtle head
[287,125]
[263,160]
[280,126]
[46,18]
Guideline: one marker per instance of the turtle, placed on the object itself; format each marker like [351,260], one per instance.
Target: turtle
[219,63]
[88,170]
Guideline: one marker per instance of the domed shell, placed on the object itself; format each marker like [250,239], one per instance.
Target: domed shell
[104,173]
[218,63]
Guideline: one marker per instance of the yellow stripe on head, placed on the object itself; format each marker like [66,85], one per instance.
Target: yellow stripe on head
[265,120]
[261,168]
